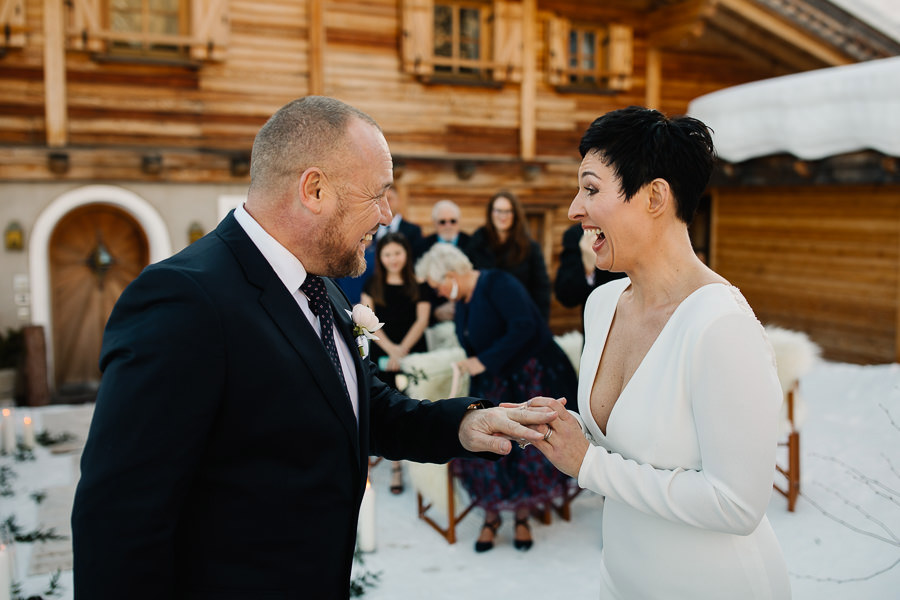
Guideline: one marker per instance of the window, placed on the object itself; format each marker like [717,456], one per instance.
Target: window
[155,29]
[12,25]
[148,27]
[583,52]
[460,31]
[589,58]
[463,40]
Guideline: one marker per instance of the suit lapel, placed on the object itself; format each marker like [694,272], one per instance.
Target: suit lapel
[281,307]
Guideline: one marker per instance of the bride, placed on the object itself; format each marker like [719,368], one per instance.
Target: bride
[678,390]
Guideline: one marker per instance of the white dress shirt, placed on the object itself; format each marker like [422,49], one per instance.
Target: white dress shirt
[292,274]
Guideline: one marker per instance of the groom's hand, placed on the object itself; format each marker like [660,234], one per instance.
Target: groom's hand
[491,429]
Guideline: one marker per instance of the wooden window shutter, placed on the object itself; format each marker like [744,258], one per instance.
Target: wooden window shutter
[617,56]
[85,26]
[12,20]
[418,37]
[508,41]
[557,50]
[210,29]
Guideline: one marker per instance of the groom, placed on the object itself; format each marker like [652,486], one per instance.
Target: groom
[228,452]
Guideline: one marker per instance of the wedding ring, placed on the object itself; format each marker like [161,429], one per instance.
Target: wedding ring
[524,444]
[548,434]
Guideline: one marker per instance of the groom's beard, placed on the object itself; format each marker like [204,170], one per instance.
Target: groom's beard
[339,261]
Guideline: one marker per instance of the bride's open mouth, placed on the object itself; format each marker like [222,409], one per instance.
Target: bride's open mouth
[601,237]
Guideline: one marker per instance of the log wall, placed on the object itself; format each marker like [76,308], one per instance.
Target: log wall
[198,116]
[824,260]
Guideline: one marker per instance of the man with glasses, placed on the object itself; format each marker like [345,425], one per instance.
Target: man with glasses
[446,217]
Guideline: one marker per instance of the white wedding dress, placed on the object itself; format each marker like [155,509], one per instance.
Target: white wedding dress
[688,459]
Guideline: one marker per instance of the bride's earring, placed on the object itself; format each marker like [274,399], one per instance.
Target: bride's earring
[454,291]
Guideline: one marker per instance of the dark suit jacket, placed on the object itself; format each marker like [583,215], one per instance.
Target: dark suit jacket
[532,271]
[571,286]
[224,461]
[462,240]
[411,231]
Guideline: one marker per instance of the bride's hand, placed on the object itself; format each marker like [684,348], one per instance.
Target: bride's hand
[564,443]
[542,429]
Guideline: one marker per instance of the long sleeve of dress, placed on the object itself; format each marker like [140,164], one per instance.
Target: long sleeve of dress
[734,396]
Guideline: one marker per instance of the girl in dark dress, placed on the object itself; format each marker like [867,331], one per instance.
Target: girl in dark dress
[512,357]
[402,304]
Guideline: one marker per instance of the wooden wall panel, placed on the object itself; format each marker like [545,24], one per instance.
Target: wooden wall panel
[266,65]
[199,115]
[824,260]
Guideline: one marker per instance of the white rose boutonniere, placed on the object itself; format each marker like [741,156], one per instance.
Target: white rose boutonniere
[365,323]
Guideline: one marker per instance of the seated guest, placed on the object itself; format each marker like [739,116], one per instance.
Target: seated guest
[511,354]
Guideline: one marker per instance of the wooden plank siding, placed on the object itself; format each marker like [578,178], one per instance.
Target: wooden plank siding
[821,259]
[200,113]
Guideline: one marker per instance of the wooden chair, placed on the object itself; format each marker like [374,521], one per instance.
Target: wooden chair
[433,375]
[791,472]
[795,355]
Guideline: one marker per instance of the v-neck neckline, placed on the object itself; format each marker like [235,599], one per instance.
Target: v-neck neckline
[643,360]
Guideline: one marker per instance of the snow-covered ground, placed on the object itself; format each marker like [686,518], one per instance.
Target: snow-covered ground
[842,542]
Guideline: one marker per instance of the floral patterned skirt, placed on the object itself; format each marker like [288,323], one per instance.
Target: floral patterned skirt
[523,479]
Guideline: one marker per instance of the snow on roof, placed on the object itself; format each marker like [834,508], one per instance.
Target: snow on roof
[811,115]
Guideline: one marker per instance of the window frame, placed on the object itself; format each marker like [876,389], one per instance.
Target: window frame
[613,48]
[479,66]
[147,45]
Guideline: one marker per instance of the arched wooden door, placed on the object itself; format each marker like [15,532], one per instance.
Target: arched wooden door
[95,251]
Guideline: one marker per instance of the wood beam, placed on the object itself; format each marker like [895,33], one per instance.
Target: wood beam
[759,47]
[55,114]
[653,86]
[674,24]
[316,50]
[789,33]
[528,88]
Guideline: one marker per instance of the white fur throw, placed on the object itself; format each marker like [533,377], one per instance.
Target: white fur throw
[572,344]
[431,378]
[441,335]
[795,355]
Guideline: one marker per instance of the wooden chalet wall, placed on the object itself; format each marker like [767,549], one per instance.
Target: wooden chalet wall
[58,94]
[820,259]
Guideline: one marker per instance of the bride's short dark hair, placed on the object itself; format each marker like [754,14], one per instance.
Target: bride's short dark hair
[641,144]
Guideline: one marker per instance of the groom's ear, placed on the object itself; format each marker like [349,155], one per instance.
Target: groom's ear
[310,190]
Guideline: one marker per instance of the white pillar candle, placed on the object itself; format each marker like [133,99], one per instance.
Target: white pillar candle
[9,432]
[5,573]
[366,529]
[28,433]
